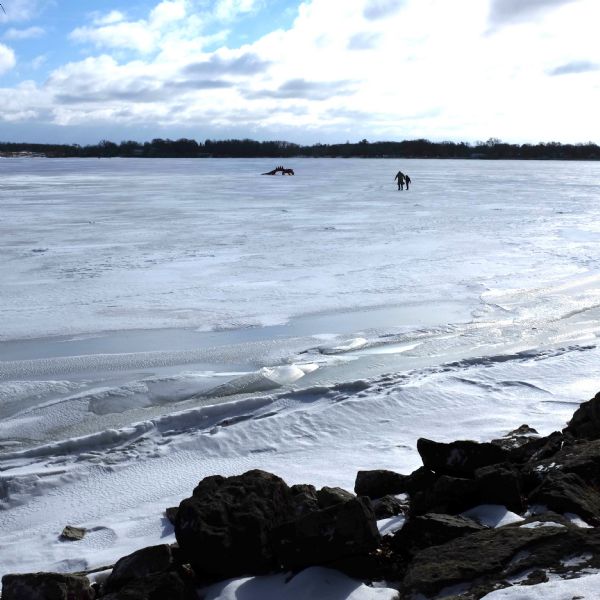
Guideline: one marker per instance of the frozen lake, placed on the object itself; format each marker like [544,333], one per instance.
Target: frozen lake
[192,317]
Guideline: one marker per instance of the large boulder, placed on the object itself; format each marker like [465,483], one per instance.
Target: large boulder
[585,423]
[388,506]
[379,483]
[461,458]
[501,484]
[327,535]
[517,437]
[224,528]
[46,586]
[537,449]
[485,560]
[330,496]
[581,458]
[431,530]
[448,495]
[144,562]
[161,586]
[567,492]
[305,498]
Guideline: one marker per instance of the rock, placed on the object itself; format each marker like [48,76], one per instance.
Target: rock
[585,423]
[580,457]
[305,498]
[46,586]
[224,529]
[326,535]
[163,586]
[461,458]
[144,562]
[500,484]
[517,437]
[379,483]
[540,448]
[431,530]
[171,514]
[328,496]
[72,533]
[420,480]
[388,506]
[567,492]
[486,559]
[448,495]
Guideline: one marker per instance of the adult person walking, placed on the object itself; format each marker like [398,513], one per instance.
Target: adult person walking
[400,178]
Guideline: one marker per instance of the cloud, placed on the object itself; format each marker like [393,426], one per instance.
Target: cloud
[39,61]
[114,31]
[379,9]
[576,66]
[7,58]
[437,75]
[198,84]
[503,12]
[363,41]
[308,90]
[114,16]
[133,36]
[23,10]
[24,34]
[246,64]
[226,10]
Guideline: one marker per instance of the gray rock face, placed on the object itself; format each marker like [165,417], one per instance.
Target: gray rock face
[461,458]
[224,529]
[163,586]
[581,458]
[432,530]
[501,484]
[567,492]
[305,498]
[487,558]
[46,586]
[330,496]
[72,533]
[144,562]
[585,423]
[326,535]
[388,506]
[517,437]
[450,495]
[379,483]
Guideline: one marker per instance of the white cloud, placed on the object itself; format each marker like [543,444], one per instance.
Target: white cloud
[22,10]
[226,10]
[7,58]
[39,61]
[114,31]
[114,16]
[130,35]
[24,34]
[428,69]
[168,11]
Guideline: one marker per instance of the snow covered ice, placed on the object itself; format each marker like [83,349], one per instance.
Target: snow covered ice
[165,320]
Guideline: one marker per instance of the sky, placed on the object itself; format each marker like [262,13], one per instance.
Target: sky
[317,71]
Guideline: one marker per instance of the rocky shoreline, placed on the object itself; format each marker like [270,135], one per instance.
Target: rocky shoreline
[474,518]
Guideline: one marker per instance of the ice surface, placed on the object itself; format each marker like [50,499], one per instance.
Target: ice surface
[166,320]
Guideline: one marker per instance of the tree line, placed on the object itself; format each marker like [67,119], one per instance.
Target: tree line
[246,148]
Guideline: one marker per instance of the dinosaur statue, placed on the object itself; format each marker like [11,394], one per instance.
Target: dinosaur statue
[281,170]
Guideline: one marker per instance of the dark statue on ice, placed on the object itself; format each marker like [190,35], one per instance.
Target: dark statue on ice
[281,170]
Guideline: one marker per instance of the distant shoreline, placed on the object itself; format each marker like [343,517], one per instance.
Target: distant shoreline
[492,149]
